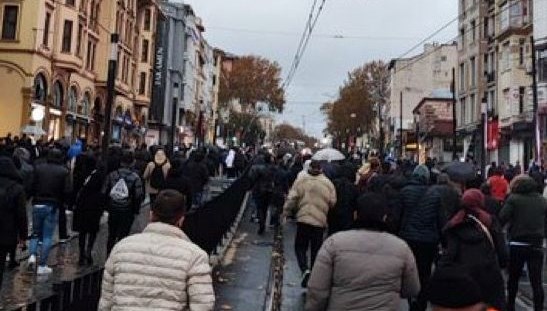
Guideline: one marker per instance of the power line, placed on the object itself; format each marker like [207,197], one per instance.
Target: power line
[308,30]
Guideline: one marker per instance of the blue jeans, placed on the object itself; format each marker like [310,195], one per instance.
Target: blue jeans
[44,219]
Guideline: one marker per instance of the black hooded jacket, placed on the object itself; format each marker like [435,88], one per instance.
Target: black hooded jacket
[13,214]
[51,181]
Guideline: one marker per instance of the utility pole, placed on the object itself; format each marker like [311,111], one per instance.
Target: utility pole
[537,134]
[454,120]
[401,125]
[110,85]
[174,117]
[484,127]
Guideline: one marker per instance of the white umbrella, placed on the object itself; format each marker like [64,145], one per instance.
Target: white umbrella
[328,154]
[33,130]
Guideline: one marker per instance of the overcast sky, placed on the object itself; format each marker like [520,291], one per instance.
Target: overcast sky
[374,29]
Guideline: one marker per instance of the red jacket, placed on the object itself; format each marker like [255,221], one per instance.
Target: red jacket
[498,187]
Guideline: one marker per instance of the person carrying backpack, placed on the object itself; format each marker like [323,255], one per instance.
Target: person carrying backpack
[156,173]
[123,192]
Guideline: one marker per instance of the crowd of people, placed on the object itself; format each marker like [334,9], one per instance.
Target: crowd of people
[367,234]
[49,180]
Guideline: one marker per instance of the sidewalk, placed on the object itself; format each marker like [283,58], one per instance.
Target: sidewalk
[241,278]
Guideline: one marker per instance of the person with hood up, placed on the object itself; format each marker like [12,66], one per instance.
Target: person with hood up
[89,206]
[340,217]
[474,241]
[420,226]
[156,173]
[365,268]
[13,211]
[311,198]
[196,171]
[498,185]
[177,180]
[525,210]
[51,188]
[22,159]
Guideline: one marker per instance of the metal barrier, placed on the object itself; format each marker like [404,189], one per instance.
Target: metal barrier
[80,294]
[274,290]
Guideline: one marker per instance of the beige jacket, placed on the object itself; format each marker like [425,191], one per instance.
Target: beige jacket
[311,197]
[148,172]
[159,269]
[362,270]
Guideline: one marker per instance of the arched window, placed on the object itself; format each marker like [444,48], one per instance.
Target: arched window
[72,99]
[58,95]
[40,88]
[84,107]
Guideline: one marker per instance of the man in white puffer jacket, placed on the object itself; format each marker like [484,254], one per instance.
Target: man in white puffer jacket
[159,269]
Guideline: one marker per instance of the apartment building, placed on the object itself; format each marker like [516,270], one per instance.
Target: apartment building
[540,38]
[411,80]
[55,55]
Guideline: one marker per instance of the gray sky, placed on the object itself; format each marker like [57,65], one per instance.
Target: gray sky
[380,29]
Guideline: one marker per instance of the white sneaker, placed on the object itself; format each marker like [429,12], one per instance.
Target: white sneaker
[44,270]
[31,265]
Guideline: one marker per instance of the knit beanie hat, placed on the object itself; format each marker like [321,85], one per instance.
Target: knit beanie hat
[452,287]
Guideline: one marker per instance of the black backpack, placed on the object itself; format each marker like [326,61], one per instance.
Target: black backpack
[157,179]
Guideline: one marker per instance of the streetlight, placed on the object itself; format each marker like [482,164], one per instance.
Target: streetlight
[37,114]
[484,120]
[110,85]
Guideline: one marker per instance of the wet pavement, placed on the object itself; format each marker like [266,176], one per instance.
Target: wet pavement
[242,277]
[21,287]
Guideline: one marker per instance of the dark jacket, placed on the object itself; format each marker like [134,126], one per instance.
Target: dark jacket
[51,183]
[196,172]
[134,183]
[13,213]
[176,181]
[469,246]
[420,221]
[525,210]
[340,217]
[89,203]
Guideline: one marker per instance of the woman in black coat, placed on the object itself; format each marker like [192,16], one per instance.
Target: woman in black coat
[89,208]
[474,241]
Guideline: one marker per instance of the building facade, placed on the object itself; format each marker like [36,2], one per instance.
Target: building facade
[412,79]
[540,37]
[55,55]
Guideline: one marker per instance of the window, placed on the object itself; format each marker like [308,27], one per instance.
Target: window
[473,72]
[67,37]
[472,108]
[72,99]
[462,76]
[40,88]
[84,106]
[492,104]
[58,95]
[443,59]
[542,65]
[9,22]
[144,51]
[142,83]
[94,51]
[521,52]
[79,40]
[88,56]
[521,99]
[45,39]
[506,56]
[147,18]
[464,113]
[70,2]
[473,31]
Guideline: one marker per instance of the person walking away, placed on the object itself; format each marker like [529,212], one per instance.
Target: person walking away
[155,174]
[280,190]
[311,198]
[239,162]
[365,268]
[50,189]
[196,171]
[89,208]
[160,268]
[13,211]
[229,161]
[262,176]
[498,186]
[176,180]
[474,240]
[525,212]
[340,217]
[420,226]
[123,192]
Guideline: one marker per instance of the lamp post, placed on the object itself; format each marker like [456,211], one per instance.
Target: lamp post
[174,116]
[484,127]
[110,85]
